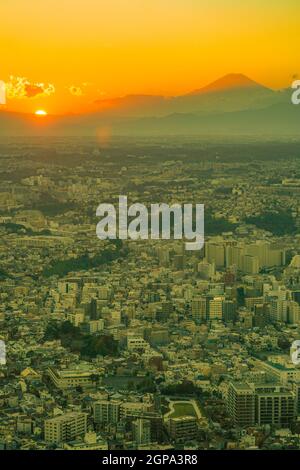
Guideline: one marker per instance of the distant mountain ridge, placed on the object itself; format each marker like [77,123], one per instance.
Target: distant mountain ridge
[232,91]
[233,103]
[228,82]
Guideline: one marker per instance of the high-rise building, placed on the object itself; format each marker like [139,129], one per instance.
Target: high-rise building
[296,296]
[278,309]
[234,256]
[215,253]
[141,431]
[260,250]
[274,405]
[296,390]
[183,428]
[229,310]
[65,427]
[293,312]
[267,254]
[260,315]
[262,403]
[24,424]
[199,309]
[216,308]
[106,411]
[250,264]
[241,404]
[93,310]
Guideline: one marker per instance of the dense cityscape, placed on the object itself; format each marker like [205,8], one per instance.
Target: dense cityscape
[113,344]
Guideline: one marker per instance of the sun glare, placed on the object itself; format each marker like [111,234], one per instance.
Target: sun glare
[40,112]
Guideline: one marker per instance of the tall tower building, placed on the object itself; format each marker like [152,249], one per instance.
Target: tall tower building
[250,264]
[229,310]
[215,253]
[216,308]
[141,431]
[199,309]
[234,256]
[93,310]
[241,404]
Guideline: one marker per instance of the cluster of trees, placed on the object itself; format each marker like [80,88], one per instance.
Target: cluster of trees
[85,262]
[4,275]
[73,338]
[147,385]
[217,226]
[10,227]
[184,388]
[50,206]
[279,223]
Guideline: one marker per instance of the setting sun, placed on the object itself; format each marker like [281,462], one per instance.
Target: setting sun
[40,112]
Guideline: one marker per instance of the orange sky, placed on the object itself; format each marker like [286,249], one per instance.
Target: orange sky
[65,54]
